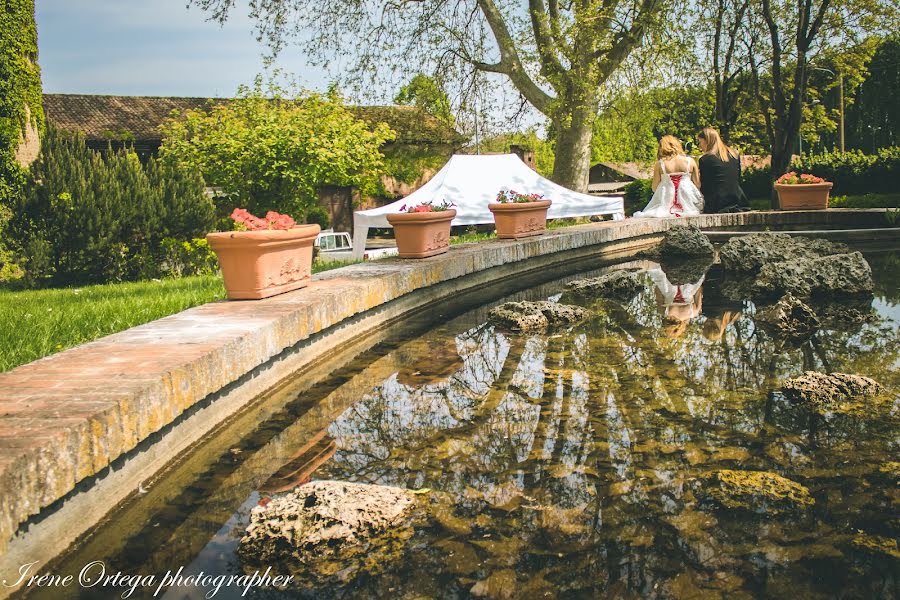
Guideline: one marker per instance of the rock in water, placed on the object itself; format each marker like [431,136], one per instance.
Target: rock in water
[622,285]
[826,277]
[749,253]
[326,528]
[536,316]
[790,319]
[685,241]
[758,491]
[830,392]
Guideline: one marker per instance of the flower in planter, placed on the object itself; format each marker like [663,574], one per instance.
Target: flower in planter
[426,207]
[792,178]
[512,196]
[245,221]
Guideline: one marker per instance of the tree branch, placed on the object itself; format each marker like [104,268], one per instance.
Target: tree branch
[510,61]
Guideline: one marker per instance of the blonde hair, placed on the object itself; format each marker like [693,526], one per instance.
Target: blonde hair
[669,146]
[715,145]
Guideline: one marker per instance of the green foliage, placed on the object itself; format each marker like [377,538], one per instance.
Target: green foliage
[20,105]
[851,172]
[873,120]
[270,150]
[757,183]
[181,258]
[86,218]
[543,148]
[35,323]
[407,163]
[637,195]
[629,128]
[318,216]
[866,201]
[20,76]
[426,93]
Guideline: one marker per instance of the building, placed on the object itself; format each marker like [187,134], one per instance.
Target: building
[134,121]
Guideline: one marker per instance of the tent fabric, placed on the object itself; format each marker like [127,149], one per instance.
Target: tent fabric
[471,182]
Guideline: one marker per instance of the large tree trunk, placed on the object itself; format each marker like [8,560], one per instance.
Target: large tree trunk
[574,132]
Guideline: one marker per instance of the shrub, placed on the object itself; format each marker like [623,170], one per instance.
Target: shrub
[181,258]
[87,218]
[637,194]
[851,172]
[757,182]
[272,150]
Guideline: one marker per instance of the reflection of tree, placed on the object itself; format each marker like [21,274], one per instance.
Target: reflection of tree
[593,438]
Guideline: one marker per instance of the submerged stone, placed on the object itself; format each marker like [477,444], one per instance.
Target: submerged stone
[621,285]
[500,585]
[749,253]
[536,316]
[326,528]
[758,491]
[827,277]
[830,392]
[789,318]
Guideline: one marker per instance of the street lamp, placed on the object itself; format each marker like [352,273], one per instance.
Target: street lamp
[840,77]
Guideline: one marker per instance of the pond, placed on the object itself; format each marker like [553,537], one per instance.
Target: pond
[568,464]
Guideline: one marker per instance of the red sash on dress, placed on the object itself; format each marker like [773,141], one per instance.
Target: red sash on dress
[676,181]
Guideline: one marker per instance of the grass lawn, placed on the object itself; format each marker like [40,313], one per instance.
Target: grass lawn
[35,323]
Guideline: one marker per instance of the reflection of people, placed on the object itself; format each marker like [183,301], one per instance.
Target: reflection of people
[719,310]
[675,181]
[714,327]
[677,303]
[720,174]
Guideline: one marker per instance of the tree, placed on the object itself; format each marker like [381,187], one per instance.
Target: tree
[426,93]
[723,22]
[87,217]
[272,151]
[557,55]
[873,120]
[788,36]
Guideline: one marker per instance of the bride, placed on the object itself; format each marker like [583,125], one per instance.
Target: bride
[676,180]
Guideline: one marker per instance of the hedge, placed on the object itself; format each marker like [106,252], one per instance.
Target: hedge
[852,173]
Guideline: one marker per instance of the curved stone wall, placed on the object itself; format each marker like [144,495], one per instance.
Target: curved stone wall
[80,430]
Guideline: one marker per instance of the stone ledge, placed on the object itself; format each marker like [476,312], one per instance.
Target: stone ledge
[66,417]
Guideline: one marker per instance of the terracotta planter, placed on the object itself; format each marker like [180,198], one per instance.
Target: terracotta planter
[259,264]
[422,234]
[520,219]
[803,196]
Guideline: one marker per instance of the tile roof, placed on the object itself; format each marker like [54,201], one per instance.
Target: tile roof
[137,118]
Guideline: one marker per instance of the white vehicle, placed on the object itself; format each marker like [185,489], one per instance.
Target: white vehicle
[337,245]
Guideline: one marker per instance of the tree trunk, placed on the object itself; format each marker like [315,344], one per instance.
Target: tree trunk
[782,152]
[574,132]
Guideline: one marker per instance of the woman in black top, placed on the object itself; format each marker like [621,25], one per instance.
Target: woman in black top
[720,174]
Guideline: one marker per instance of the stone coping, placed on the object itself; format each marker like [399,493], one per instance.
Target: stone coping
[66,417]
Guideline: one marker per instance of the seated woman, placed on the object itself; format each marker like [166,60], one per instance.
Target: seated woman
[720,174]
[675,183]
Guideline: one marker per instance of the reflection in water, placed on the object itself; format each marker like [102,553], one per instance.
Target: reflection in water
[574,458]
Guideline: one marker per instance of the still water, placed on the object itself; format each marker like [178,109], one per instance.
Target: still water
[566,464]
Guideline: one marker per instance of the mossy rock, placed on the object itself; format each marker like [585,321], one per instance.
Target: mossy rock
[536,316]
[876,544]
[757,491]
[832,392]
[619,285]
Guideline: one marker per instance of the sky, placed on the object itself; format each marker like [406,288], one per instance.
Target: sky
[152,48]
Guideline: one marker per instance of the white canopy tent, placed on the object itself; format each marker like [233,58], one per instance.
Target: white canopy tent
[471,182]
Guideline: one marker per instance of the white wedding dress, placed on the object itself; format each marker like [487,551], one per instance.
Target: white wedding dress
[675,196]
